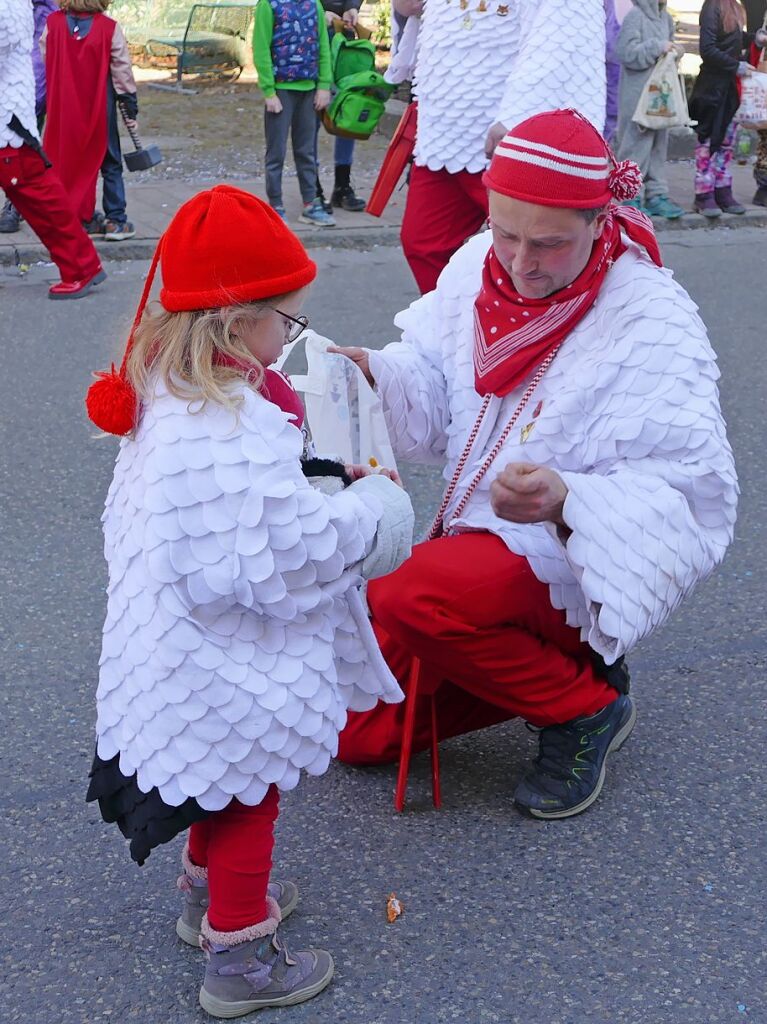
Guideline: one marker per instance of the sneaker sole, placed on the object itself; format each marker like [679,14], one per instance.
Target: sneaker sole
[619,739]
[191,936]
[228,1010]
[120,238]
[314,224]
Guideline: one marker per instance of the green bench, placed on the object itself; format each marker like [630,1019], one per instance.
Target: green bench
[204,38]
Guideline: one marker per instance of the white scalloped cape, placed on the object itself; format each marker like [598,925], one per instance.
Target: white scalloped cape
[630,419]
[17,80]
[493,61]
[235,638]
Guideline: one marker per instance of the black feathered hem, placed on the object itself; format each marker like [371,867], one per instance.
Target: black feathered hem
[143,818]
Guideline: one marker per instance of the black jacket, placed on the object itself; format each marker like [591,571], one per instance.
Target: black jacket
[714,98]
[339,6]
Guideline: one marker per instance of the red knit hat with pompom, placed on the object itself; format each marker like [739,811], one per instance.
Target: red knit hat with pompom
[223,247]
[558,158]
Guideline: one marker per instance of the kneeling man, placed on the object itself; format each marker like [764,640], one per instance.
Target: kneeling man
[568,384]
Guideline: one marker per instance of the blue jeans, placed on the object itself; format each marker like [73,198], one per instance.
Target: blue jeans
[113,197]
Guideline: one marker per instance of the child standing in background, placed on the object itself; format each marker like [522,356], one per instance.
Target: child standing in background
[291,53]
[646,34]
[88,72]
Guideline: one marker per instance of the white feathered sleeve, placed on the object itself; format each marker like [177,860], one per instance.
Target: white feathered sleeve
[656,516]
[234,518]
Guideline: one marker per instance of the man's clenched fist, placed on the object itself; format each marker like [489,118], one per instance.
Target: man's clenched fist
[525,493]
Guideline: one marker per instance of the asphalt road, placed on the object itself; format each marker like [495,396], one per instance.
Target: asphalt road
[648,909]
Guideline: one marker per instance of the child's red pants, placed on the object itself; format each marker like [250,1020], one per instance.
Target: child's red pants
[475,614]
[441,212]
[235,845]
[37,193]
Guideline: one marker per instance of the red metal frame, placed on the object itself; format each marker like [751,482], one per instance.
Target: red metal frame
[411,698]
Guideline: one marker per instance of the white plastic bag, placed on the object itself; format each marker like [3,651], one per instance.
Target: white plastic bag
[752,111]
[663,103]
[343,412]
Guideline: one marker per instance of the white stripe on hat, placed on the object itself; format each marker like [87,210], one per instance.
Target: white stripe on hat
[560,154]
[554,165]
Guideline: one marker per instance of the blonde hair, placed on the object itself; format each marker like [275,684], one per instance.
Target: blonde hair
[180,350]
[733,15]
[85,6]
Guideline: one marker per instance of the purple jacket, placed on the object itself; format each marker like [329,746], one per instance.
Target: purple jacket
[41,9]
[612,28]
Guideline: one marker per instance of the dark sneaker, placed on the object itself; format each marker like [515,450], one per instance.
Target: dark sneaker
[197,898]
[259,973]
[95,226]
[114,232]
[760,196]
[569,771]
[10,218]
[347,199]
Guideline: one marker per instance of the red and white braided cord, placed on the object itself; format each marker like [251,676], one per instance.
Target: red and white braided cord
[437,527]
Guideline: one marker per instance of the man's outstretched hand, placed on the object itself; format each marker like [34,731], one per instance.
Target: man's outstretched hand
[526,493]
[494,136]
[359,356]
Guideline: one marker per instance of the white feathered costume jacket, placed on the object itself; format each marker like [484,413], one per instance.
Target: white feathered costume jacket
[236,638]
[482,61]
[630,420]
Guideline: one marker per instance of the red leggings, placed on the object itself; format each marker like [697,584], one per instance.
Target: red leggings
[37,193]
[235,845]
[475,615]
[441,212]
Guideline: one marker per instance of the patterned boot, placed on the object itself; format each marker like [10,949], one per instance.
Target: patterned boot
[194,885]
[253,969]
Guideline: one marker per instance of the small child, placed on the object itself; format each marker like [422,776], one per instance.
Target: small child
[88,72]
[291,53]
[236,638]
[646,34]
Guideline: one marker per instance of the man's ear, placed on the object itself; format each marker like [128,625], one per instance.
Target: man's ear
[599,222]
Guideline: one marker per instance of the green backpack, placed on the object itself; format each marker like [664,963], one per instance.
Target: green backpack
[361,92]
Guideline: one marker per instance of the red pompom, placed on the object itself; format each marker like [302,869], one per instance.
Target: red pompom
[111,403]
[625,181]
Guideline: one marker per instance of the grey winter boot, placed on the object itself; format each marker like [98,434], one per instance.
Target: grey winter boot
[253,969]
[194,885]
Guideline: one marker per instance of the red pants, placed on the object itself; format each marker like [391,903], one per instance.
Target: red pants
[475,615]
[235,845]
[37,193]
[441,212]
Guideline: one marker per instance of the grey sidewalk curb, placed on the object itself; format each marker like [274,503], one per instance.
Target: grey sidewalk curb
[143,248]
[360,239]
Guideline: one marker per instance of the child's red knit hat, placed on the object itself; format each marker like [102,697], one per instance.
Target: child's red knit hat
[223,247]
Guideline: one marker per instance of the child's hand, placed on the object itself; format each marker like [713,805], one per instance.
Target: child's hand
[321,99]
[273,104]
[359,357]
[351,17]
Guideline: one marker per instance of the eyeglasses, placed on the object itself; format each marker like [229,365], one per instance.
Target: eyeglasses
[294,326]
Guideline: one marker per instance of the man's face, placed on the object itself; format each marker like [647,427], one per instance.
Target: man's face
[542,248]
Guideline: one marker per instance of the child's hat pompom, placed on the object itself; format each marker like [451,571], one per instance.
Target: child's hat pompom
[111,403]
